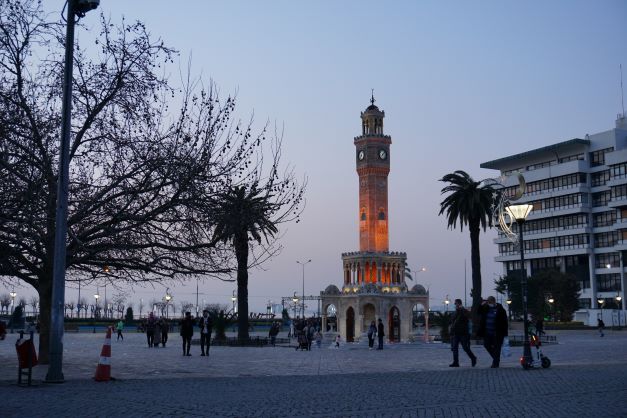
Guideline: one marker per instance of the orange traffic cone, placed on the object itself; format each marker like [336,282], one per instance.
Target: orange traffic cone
[103,371]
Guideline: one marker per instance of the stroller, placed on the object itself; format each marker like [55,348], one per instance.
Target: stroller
[303,344]
[539,359]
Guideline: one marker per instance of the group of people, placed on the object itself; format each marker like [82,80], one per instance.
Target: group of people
[376,331]
[156,330]
[306,332]
[493,328]
[205,323]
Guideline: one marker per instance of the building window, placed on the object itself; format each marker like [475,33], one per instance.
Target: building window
[571,158]
[381,215]
[601,198]
[619,192]
[608,282]
[600,178]
[597,158]
[619,171]
[585,303]
[604,218]
[605,239]
[603,260]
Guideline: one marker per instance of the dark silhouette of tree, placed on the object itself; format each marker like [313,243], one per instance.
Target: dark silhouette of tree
[143,174]
[251,213]
[469,203]
[542,285]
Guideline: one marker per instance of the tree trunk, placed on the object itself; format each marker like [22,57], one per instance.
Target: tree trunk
[475,266]
[45,298]
[241,254]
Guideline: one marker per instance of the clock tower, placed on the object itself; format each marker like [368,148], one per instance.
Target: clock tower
[374,285]
[373,167]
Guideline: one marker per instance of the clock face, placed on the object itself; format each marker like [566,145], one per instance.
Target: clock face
[361,155]
[382,154]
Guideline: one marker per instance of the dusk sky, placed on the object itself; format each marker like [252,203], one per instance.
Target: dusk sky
[461,83]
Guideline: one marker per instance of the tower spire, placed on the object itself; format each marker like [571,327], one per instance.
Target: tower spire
[372,97]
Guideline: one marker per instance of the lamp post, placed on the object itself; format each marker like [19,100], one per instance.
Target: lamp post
[551,300]
[446,302]
[295,300]
[13,295]
[520,213]
[303,264]
[75,9]
[619,305]
[509,310]
[233,299]
[96,296]
[168,298]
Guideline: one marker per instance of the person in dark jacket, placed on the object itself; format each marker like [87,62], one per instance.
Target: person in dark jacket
[460,334]
[493,328]
[372,332]
[380,334]
[151,324]
[165,327]
[206,327]
[187,331]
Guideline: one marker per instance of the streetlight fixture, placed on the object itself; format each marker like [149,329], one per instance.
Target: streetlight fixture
[75,10]
[446,302]
[303,264]
[519,213]
[618,298]
[233,299]
[168,298]
[295,300]
[13,295]
[551,300]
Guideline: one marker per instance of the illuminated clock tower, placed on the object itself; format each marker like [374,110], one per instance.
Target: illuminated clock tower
[374,286]
[373,167]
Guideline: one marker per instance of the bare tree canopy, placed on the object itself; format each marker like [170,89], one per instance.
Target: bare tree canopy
[143,176]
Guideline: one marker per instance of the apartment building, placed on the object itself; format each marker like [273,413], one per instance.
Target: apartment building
[578,189]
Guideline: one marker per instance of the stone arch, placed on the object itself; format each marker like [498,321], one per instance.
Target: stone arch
[368,314]
[350,324]
[394,324]
[419,316]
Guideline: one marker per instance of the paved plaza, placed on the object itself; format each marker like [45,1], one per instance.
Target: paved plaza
[587,378]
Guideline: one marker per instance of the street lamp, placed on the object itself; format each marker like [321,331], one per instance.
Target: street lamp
[168,298]
[96,296]
[13,295]
[75,10]
[618,303]
[520,213]
[295,300]
[446,302]
[233,299]
[551,300]
[303,264]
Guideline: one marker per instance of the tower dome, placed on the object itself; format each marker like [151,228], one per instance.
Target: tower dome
[372,119]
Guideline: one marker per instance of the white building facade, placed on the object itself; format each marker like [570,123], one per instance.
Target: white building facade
[578,225]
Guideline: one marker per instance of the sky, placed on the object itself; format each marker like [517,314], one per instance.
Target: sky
[461,83]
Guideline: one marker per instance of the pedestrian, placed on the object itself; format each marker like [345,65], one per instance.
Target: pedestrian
[318,338]
[151,324]
[493,328]
[187,331]
[460,335]
[372,332]
[165,328]
[206,326]
[119,327]
[274,330]
[157,339]
[601,326]
[337,341]
[380,334]
[310,335]
[540,327]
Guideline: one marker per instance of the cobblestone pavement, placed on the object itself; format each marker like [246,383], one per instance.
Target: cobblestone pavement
[587,378]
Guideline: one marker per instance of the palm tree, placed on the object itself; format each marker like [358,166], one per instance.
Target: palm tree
[469,203]
[243,214]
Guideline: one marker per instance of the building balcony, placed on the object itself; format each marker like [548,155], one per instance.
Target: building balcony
[545,252]
[618,202]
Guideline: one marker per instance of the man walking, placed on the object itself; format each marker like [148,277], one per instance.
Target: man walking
[119,328]
[206,326]
[493,328]
[460,334]
[380,334]
[187,331]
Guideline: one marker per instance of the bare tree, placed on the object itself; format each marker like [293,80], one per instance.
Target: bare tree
[142,176]
[34,302]
[140,306]
[186,306]
[84,306]
[118,301]
[70,306]
[5,302]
